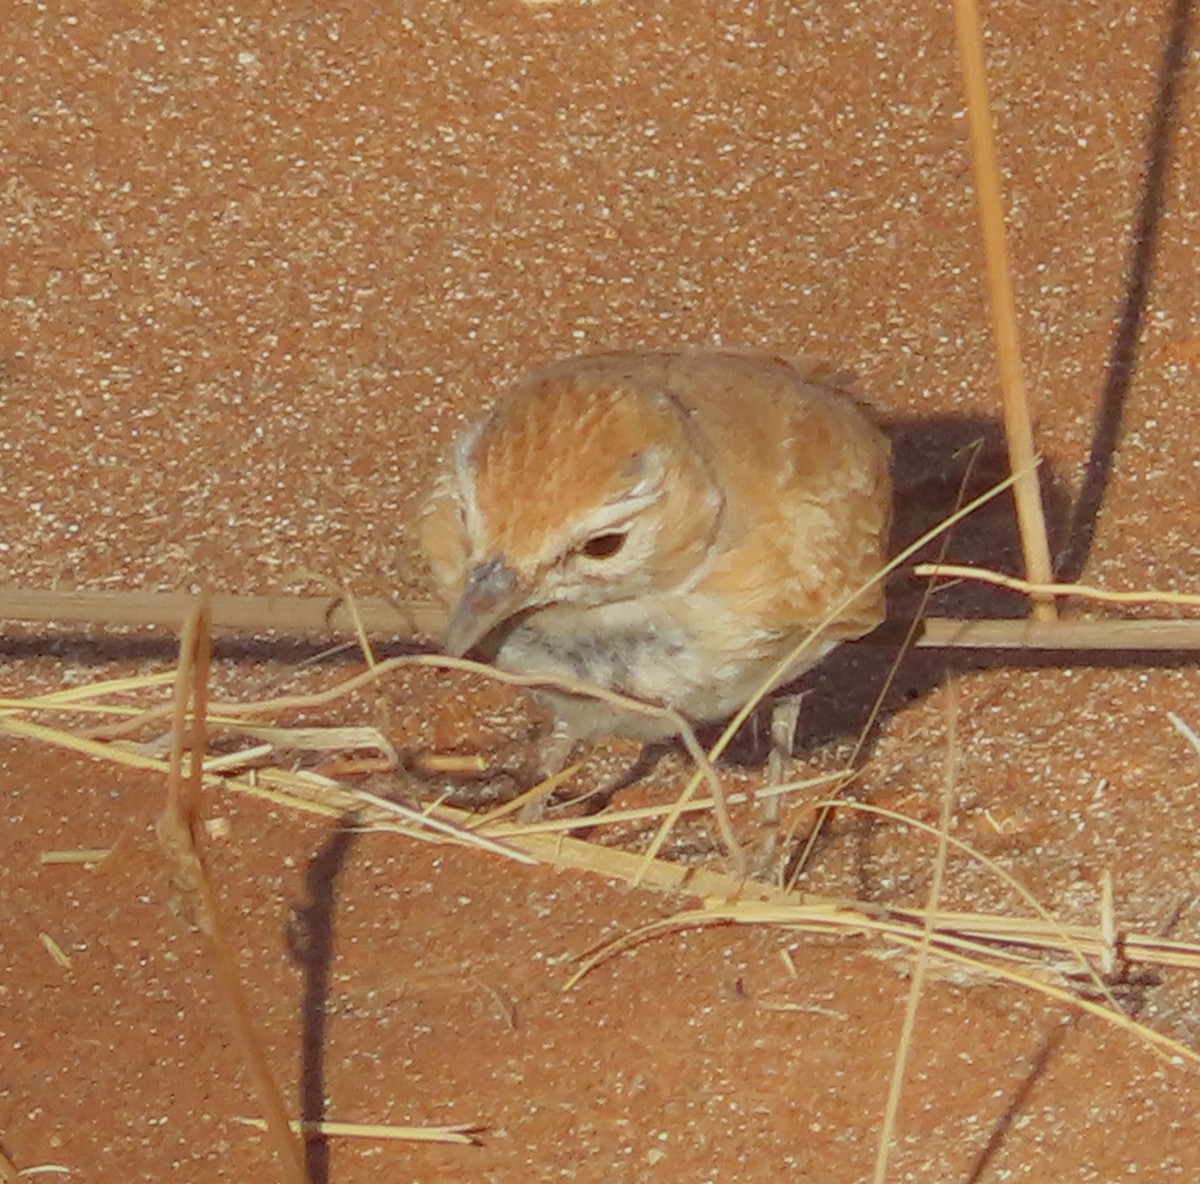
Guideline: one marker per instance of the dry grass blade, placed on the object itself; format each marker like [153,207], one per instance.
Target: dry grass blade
[1082,591]
[980,942]
[360,626]
[568,854]
[85,855]
[705,770]
[495,825]
[420,820]
[987,934]
[939,633]
[461,1134]
[336,739]
[730,730]
[536,793]
[89,693]
[60,956]
[1174,1049]
[81,744]
[802,860]
[1005,877]
[299,789]
[246,614]
[947,943]
[11,1174]
[237,712]
[1185,730]
[136,757]
[454,764]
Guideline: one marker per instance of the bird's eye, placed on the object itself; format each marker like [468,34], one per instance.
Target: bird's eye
[603,546]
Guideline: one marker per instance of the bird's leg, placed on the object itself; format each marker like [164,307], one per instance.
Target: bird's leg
[785,715]
[597,799]
[555,749]
[642,765]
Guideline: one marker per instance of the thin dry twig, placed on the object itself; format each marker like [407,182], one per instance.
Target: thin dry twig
[327,797]
[980,942]
[290,616]
[85,855]
[1029,588]
[984,956]
[706,771]
[493,823]
[1064,935]
[465,836]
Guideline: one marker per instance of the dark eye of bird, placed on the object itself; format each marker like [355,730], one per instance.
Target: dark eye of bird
[603,546]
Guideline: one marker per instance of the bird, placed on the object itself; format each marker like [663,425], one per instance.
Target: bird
[680,526]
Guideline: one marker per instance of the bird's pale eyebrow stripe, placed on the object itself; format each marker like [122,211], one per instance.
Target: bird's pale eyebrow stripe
[464,471]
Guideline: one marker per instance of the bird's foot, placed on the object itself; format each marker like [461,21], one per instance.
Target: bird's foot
[784,718]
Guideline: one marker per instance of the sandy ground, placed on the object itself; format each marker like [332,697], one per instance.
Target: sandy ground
[261,260]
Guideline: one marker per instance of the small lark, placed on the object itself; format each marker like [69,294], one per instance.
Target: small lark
[667,524]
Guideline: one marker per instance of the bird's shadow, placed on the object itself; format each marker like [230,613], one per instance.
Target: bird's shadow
[940,463]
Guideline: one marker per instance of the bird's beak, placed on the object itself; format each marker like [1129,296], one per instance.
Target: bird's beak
[492,594]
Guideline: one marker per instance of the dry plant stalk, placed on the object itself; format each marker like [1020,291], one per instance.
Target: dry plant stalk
[283,613]
[1018,428]
[178,832]
[706,772]
[981,943]
[292,616]
[1185,730]
[1161,636]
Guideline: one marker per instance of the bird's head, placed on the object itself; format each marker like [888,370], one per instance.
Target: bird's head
[574,490]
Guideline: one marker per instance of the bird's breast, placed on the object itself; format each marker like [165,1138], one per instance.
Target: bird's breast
[624,648]
[661,651]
